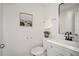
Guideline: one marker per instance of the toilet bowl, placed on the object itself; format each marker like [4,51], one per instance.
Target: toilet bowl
[40,50]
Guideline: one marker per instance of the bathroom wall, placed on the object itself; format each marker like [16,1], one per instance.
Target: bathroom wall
[20,40]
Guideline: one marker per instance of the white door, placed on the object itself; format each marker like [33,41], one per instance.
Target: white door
[2,45]
[0,28]
[9,30]
[0,38]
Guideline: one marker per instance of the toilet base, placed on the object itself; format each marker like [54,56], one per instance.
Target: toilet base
[44,54]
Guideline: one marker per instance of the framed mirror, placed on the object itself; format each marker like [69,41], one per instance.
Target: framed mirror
[67,17]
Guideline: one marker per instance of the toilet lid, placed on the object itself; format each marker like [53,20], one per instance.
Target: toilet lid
[37,50]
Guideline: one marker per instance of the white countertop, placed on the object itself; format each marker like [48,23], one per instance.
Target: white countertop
[65,43]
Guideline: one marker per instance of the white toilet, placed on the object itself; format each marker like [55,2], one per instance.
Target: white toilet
[40,50]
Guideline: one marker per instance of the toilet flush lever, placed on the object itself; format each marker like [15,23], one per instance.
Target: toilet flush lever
[2,45]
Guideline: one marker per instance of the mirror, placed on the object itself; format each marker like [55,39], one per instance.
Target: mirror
[67,17]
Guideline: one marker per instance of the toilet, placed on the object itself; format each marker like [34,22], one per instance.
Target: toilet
[40,50]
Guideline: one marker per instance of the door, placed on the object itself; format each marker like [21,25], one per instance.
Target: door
[0,28]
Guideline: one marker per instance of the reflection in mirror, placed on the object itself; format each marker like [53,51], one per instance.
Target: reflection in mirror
[77,22]
[67,12]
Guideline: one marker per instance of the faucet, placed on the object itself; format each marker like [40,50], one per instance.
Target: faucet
[68,36]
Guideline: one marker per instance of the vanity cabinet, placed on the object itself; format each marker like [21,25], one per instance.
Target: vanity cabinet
[57,50]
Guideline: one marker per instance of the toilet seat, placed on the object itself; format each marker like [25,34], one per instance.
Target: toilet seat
[38,51]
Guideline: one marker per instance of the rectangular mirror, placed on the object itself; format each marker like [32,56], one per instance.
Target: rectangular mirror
[67,17]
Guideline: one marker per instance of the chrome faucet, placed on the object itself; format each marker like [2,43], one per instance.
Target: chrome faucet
[67,36]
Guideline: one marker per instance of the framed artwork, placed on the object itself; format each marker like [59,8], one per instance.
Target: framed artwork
[26,19]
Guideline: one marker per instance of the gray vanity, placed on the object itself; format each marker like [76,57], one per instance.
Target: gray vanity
[58,47]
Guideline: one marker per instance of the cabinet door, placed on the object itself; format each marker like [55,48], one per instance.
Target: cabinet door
[70,52]
[56,50]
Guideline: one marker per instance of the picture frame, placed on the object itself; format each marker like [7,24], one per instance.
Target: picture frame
[25,19]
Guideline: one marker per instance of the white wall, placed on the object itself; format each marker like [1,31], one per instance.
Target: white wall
[16,38]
